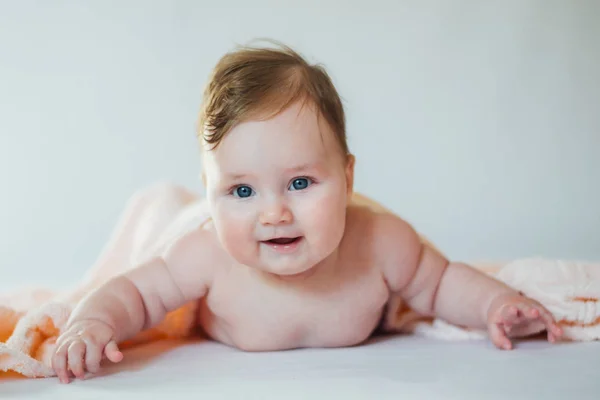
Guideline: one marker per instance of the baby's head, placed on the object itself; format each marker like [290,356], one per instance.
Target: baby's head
[276,165]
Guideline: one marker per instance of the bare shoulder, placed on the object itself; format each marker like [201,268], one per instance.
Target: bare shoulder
[385,229]
[193,258]
[392,243]
[193,243]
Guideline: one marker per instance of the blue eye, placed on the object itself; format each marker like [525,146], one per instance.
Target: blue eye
[243,191]
[300,183]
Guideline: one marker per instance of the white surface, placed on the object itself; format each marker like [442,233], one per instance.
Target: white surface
[478,121]
[389,368]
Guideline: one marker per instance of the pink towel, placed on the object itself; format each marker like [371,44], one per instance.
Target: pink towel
[31,320]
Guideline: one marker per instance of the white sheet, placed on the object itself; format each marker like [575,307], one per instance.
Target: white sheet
[385,368]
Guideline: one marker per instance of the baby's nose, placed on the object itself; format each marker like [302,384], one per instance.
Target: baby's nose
[276,213]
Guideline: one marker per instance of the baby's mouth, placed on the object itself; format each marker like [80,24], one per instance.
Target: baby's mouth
[283,240]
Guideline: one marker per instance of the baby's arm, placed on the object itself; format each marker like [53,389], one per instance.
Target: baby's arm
[132,302]
[454,291]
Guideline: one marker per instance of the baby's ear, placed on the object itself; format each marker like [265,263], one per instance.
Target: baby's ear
[350,160]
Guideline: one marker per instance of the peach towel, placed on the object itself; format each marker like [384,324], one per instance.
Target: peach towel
[31,320]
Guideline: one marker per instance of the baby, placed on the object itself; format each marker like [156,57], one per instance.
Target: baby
[289,257]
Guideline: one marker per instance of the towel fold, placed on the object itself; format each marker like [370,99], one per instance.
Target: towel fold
[31,320]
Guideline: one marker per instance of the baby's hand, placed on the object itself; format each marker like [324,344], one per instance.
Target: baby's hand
[513,313]
[82,347]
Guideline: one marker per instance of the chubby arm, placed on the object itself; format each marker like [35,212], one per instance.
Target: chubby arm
[453,291]
[132,302]
[141,297]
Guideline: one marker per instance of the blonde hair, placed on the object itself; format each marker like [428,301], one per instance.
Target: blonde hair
[260,82]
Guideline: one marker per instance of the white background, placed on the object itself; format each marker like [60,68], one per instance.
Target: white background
[479,122]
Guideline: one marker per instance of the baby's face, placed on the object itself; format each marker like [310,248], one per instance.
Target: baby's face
[278,191]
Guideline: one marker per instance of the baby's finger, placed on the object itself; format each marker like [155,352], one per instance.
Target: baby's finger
[112,352]
[523,311]
[510,316]
[530,312]
[527,312]
[76,354]
[59,363]
[93,357]
[509,313]
[554,331]
[498,337]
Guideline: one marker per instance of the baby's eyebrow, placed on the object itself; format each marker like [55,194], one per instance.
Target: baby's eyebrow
[302,167]
[235,177]
[231,176]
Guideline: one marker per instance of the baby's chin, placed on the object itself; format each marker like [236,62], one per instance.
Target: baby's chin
[288,272]
[296,275]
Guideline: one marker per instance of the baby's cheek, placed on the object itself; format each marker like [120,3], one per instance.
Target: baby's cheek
[326,219]
[236,237]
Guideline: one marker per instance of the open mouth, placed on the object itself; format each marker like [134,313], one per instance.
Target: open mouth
[283,240]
